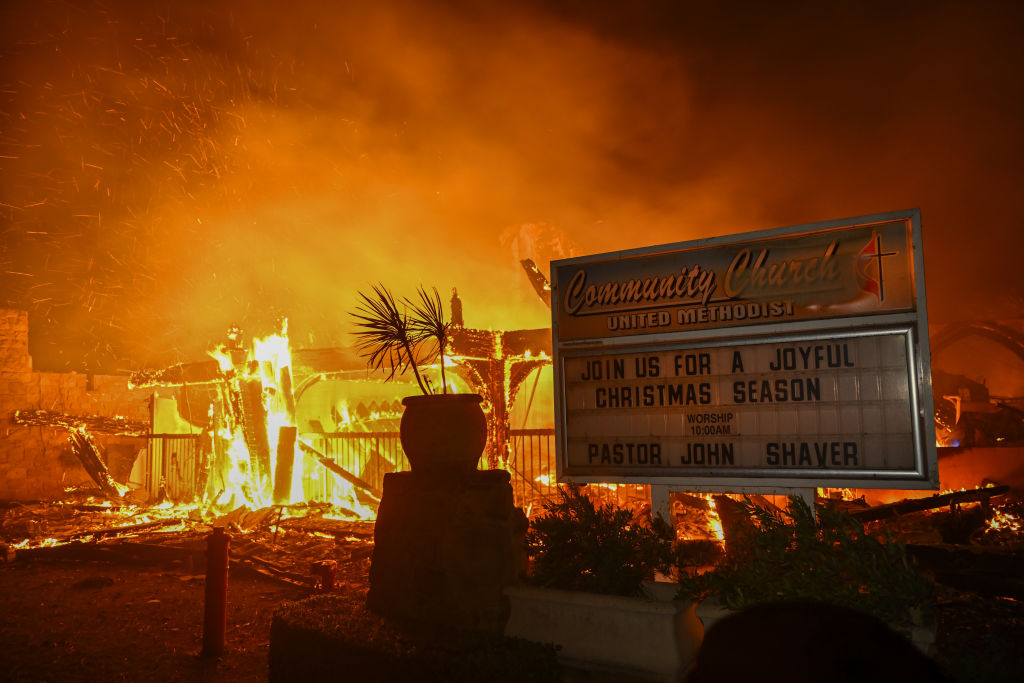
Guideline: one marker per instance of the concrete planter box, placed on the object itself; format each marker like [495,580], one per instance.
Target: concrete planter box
[652,637]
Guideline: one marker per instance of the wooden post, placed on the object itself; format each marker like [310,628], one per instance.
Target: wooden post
[287,393]
[254,428]
[215,623]
[285,465]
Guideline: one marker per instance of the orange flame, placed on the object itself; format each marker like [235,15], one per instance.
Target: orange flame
[715,521]
[1003,520]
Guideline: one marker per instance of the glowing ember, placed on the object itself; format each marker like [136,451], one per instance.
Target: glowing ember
[837,494]
[1003,520]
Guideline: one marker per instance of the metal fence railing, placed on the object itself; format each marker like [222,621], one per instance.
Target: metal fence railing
[531,463]
[367,455]
[371,455]
[170,468]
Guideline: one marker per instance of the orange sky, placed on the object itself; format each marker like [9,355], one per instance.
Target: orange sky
[172,168]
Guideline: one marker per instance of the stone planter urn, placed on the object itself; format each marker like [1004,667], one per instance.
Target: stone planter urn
[443,434]
[448,537]
[653,637]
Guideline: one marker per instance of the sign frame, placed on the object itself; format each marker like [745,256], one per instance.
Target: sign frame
[908,319]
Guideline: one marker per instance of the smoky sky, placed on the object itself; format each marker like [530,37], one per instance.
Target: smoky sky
[170,169]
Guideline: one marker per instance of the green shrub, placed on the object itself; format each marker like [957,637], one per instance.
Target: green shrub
[792,555]
[576,545]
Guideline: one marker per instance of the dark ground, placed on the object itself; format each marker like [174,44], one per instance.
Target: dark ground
[67,620]
[100,621]
[132,609]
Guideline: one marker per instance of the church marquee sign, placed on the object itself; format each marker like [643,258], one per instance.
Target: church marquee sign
[793,357]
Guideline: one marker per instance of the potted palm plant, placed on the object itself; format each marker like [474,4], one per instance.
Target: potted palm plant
[442,433]
[590,590]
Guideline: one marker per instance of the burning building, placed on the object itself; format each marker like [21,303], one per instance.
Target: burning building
[211,432]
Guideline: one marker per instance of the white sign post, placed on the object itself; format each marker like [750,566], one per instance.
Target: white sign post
[765,362]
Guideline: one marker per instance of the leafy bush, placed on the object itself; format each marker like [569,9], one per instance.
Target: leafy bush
[576,545]
[791,555]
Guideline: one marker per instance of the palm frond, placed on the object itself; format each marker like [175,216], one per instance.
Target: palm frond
[385,337]
[428,325]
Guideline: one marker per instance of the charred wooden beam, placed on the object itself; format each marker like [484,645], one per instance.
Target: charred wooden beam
[334,527]
[735,522]
[269,570]
[535,342]
[691,501]
[114,532]
[204,372]
[244,519]
[254,428]
[475,343]
[85,449]
[488,344]
[919,504]
[538,280]
[95,424]
[340,471]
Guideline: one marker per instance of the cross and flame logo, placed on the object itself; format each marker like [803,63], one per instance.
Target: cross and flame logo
[870,275]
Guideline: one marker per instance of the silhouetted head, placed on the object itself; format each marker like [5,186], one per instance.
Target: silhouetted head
[805,642]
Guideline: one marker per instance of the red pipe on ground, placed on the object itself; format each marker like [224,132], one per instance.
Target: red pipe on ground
[215,623]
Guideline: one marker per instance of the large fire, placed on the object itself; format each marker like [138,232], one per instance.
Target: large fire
[262,459]
[259,457]
[260,468]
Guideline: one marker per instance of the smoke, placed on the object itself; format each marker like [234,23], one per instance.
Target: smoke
[170,170]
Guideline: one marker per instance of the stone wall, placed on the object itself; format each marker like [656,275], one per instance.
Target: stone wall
[36,463]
